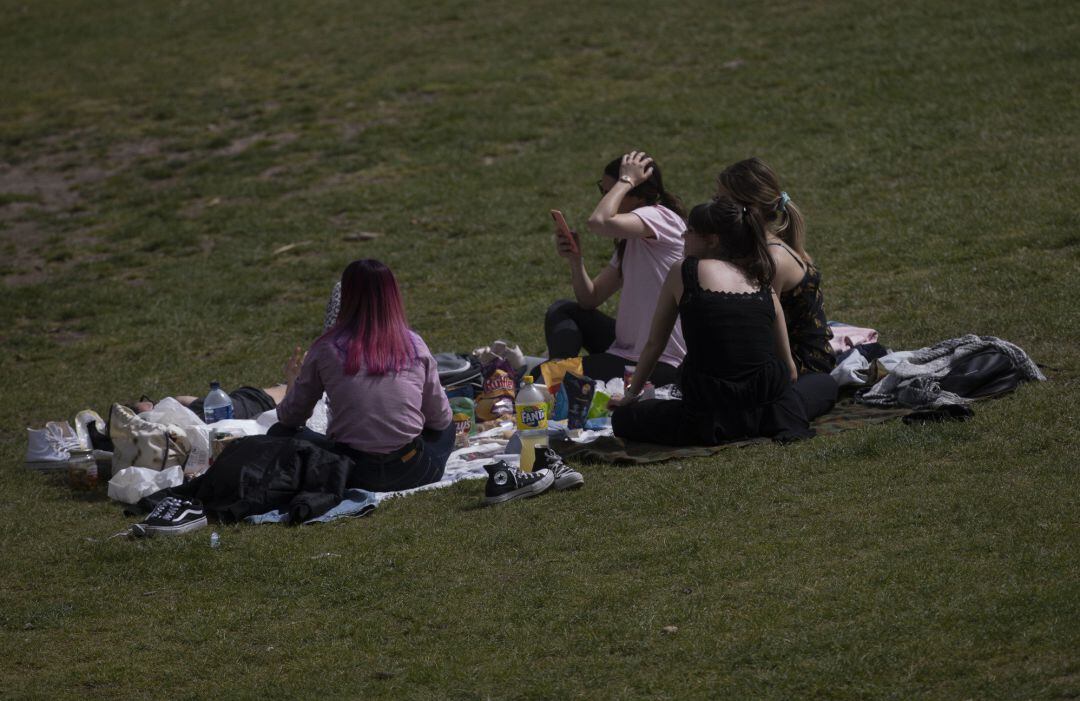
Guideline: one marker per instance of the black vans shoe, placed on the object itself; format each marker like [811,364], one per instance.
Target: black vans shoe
[506,483]
[172,516]
[566,477]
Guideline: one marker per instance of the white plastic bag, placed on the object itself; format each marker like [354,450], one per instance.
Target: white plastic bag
[133,483]
[320,416]
[267,419]
[319,421]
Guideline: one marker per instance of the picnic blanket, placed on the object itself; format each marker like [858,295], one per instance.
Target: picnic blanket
[844,416]
[467,463]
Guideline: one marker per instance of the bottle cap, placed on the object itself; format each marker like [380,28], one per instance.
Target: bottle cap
[527,379]
[214,384]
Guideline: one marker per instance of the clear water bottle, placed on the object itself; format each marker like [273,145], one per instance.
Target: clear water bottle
[531,409]
[217,406]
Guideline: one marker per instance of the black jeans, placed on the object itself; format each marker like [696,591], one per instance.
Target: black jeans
[570,328]
[420,463]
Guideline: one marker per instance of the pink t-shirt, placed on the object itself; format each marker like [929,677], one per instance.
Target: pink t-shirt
[645,265]
[374,414]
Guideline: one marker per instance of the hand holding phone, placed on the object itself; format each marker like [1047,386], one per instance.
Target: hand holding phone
[564,231]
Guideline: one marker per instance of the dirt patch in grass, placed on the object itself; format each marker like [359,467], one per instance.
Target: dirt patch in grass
[243,143]
[66,337]
[49,186]
[273,172]
[49,182]
[195,208]
[59,166]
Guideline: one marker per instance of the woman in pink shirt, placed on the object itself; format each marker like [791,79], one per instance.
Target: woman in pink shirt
[647,223]
[390,414]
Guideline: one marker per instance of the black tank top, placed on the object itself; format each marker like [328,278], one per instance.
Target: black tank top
[731,364]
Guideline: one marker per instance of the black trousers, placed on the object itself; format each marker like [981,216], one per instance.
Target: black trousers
[672,422]
[570,328]
[248,403]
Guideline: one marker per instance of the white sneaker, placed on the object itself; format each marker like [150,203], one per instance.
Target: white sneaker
[82,421]
[50,448]
[501,349]
[510,353]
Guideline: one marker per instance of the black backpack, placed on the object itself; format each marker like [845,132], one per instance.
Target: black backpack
[984,373]
[457,370]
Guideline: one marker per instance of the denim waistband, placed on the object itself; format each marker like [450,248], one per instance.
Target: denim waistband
[403,454]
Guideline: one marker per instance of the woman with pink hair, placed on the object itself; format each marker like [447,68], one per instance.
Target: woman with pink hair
[390,413]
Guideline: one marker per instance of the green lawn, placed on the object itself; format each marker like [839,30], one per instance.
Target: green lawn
[155,158]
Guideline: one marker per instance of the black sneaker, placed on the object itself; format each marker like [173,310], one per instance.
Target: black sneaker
[506,483]
[566,477]
[172,516]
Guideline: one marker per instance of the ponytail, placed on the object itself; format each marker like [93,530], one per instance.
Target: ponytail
[740,232]
[792,229]
[759,265]
[754,184]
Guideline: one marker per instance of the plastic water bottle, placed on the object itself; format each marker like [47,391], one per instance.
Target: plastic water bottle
[217,406]
[215,540]
[531,410]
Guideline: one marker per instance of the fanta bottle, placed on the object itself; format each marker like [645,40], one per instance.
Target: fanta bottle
[531,409]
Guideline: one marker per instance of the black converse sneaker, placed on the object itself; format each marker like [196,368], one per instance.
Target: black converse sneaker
[566,477]
[506,483]
[172,516]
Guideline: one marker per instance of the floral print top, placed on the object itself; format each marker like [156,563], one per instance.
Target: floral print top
[807,326]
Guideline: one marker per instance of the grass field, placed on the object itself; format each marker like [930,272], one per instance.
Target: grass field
[156,159]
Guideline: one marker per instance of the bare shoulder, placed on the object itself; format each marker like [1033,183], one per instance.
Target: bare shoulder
[721,276]
[788,270]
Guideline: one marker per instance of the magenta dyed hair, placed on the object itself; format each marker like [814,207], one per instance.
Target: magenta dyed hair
[371,329]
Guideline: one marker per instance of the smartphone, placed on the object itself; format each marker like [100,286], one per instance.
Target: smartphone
[564,230]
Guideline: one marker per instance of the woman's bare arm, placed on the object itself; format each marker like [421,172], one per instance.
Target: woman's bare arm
[783,346]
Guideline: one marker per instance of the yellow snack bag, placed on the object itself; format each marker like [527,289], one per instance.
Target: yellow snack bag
[555,370]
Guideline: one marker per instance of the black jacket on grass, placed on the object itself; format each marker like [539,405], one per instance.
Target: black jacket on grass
[257,474]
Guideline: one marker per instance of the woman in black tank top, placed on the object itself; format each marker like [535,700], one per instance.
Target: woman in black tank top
[737,377]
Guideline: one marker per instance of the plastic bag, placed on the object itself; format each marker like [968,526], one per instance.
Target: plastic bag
[170,411]
[133,483]
[319,421]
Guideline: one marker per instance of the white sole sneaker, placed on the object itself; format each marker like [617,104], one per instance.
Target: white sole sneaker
[46,465]
[572,480]
[174,530]
[533,490]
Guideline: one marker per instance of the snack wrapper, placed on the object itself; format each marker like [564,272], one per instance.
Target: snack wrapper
[464,418]
[497,398]
[579,396]
[554,371]
[598,407]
